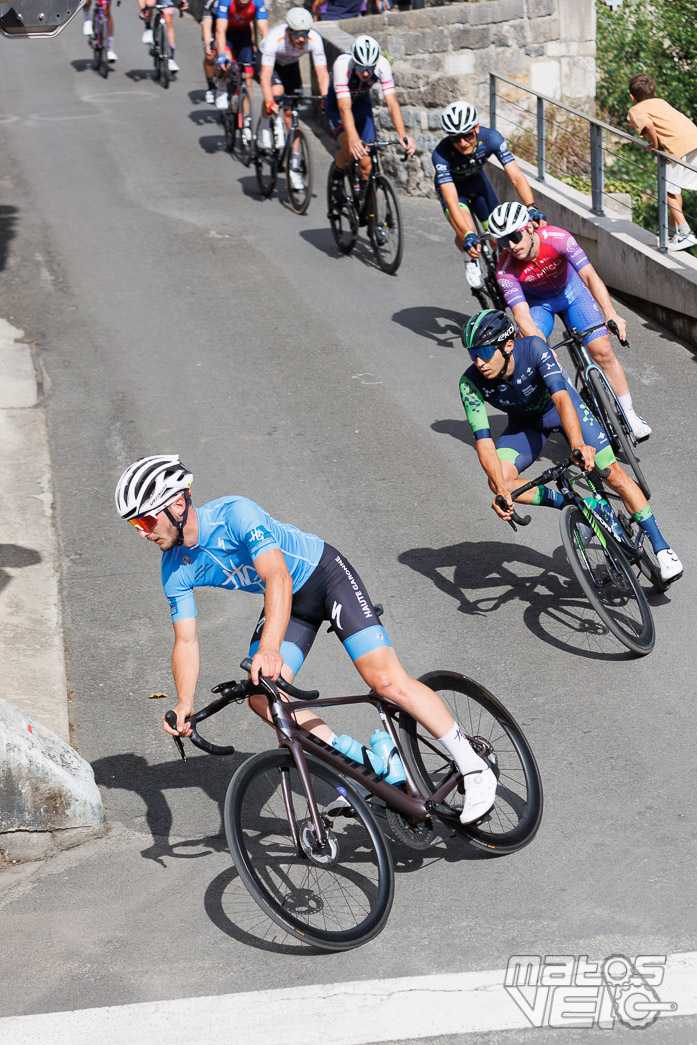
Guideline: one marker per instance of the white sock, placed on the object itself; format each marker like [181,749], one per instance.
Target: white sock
[625,402]
[110,42]
[331,740]
[459,748]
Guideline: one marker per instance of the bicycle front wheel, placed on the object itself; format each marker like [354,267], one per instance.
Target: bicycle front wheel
[516,816]
[608,583]
[298,172]
[229,118]
[243,149]
[335,897]
[621,442]
[101,34]
[163,53]
[341,213]
[385,225]
[266,164]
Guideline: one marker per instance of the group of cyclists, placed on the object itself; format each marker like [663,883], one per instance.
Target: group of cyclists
[542,272]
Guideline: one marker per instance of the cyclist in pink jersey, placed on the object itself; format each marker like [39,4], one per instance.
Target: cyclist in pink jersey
[543,273]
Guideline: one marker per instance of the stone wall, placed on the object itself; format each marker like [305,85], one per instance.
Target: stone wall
[440,54]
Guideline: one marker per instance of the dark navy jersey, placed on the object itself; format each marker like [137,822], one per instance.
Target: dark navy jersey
[451,166]
[526,394]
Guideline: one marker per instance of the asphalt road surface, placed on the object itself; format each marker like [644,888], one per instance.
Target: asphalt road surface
[174,310]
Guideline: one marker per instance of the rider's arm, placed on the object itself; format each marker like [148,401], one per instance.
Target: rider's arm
[185,669]
[265,84]
[475,409]
[261,18]
[395,112]
[599,291]
[522,317]
[346,113]
[220,31]
[263,27]
[278,595]
[460,217]
[207,33]
[519,182]
[322,79]
[490,462]
[572,426]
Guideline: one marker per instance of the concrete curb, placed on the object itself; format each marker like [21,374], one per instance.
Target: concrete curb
[46,800]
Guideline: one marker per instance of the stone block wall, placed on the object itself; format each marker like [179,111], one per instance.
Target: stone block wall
[441,54]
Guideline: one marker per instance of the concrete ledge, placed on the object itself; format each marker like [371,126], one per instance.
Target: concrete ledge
[48,796]
[663,286]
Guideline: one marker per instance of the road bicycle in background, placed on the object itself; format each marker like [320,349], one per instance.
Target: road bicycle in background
[597,393]
[373,203]
[237,118]
[159,49]
[602,543]
[98,41]
[302,820]
[288,150]
[489,293]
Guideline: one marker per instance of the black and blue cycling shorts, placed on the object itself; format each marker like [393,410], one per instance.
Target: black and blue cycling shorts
[333,592]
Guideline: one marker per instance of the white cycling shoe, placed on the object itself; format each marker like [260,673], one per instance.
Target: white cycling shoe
[87,27]
[296,180]
[639,427]
[669,565]
[221,100]
[172,66]
[111,56]
[147,37]
[210,97]
[480,794]
[473,274]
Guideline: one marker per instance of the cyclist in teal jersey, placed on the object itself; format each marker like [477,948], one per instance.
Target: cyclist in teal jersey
[233,543]
[523,378]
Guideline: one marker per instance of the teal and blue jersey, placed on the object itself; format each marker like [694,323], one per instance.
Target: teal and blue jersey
[232,533]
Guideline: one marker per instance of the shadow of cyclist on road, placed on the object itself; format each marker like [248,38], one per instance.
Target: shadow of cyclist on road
[441,325]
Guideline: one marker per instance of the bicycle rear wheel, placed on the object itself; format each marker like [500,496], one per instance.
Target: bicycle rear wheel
[385,225]
[298,153]
[266,164]
[101,34]
[162,46]
[245,138]
[335,898]
[608,583]
[229,120]
[517,813]
[342,215]
[612,423]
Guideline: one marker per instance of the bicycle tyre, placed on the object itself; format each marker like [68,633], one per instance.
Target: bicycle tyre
[101,35]
[163,51]
[621,443]
[244,121]
[304,894]
[299,199]
[608,583]
[229,120]
[517,814]
[155,49]
[266,165]
[343,219]
[385,226]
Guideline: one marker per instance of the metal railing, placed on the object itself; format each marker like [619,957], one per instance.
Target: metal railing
[596,151]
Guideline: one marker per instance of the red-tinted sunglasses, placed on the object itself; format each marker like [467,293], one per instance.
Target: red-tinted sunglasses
[144,523]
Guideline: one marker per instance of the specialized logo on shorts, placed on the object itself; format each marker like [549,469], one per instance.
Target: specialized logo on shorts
[336,615]
[260,626]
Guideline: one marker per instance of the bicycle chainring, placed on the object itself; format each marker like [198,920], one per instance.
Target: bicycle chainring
[416,836]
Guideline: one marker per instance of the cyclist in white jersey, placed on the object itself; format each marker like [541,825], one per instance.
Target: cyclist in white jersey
[281,50]
[233,543]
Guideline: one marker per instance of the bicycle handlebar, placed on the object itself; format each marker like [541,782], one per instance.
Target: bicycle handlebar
[522,520]
[614,329]
[547,476]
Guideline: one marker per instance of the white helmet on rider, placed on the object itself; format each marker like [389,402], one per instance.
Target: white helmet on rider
[299,20]
[366,51]
[458,118]
[508,218]
[151,484]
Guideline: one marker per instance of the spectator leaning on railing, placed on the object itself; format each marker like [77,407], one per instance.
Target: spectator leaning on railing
[674,133]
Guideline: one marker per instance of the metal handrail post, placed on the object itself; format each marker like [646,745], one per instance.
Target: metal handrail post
[662,204]
[492,100]
[597,170]
[540,139]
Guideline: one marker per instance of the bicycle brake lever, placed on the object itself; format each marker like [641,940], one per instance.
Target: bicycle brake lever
[614,329]
[171,720]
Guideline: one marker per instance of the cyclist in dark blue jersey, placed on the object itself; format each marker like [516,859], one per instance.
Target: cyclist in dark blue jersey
[233,543]
[461,184]
[524,379]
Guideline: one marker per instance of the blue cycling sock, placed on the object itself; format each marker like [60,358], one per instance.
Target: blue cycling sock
[548,498]
[647,521]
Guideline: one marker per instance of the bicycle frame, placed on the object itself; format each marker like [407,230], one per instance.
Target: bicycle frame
[584,366]
[290,103]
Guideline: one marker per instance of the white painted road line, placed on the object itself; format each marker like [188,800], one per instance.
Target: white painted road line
[408,1008]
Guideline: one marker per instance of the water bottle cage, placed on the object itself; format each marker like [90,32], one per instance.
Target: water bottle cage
[366,752]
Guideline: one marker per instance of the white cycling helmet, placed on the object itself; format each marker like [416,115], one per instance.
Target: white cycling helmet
[366,51]
[508,218]
[149,485]
[458,118]
[298,19]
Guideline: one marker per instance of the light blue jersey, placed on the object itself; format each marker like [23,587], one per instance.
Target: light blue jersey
[232,532]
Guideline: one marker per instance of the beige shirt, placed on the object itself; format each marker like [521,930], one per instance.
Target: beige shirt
[677,134]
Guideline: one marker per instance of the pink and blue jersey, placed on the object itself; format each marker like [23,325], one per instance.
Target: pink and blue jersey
[548,275]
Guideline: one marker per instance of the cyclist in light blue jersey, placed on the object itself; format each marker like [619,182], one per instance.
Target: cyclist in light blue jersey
[233,543]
